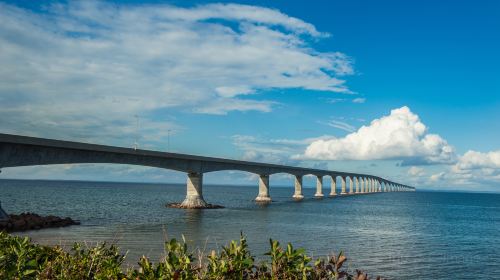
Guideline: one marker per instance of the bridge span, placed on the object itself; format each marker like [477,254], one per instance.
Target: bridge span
[16,150]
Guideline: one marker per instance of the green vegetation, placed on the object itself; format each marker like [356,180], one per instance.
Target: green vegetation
[21,259]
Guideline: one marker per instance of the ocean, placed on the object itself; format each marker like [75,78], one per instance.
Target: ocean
[400,235]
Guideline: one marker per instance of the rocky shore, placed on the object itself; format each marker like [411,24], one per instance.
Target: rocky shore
[31,221]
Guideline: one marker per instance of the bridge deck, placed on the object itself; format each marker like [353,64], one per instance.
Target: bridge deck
[207,164]
[16,150]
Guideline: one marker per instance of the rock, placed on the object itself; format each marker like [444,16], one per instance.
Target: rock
[28,221]
[183,206]
[3,215]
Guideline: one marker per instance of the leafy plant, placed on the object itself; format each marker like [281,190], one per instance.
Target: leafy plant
[234,262]
[288,263]
[21,259]
[177,264]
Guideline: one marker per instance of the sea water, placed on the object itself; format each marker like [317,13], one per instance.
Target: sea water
[399,235]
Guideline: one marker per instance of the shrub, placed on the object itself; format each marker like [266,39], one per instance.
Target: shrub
[234,262]
[21,259]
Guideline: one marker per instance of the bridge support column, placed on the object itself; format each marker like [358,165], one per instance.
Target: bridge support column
[351,185]
[342,187]
[298,188]
[263,196]
[194,192]
[333,186]
[356,184]
[362,185]
[319,187]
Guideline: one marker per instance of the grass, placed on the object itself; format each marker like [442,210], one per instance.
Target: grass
[22,259]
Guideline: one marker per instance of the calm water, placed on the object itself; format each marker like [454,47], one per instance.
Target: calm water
[414,235]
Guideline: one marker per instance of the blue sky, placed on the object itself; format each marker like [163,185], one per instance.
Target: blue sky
[282,81]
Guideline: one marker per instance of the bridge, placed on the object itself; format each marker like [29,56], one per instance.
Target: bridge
[16,150]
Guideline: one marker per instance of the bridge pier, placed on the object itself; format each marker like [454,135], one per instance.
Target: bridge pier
[319,187]
[333,186]
[263,196]
[298,188]
[194,192]
[342,186]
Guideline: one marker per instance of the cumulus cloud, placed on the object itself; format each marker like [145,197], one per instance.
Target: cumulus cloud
[86,66]
[400,135]
[474,168]
[476,160]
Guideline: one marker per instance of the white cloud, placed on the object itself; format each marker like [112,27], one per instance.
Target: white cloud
[438,176]
[476,160]
[472,170]
[335,100]
[341,125]
[359,100]
[416,171]
[401,135]
[279,151]
[88,63]
[475,168]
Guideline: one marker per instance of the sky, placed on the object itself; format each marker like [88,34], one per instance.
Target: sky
[406,90]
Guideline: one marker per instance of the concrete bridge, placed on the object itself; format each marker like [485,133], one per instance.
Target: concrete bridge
[18,150]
